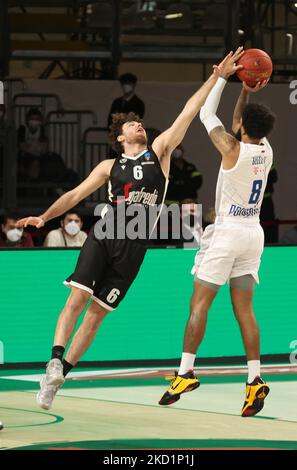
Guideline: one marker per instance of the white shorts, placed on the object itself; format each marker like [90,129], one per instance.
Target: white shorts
[229,250]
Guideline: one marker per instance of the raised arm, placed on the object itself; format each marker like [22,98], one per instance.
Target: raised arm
[242,101]
[227,145]
[95,180]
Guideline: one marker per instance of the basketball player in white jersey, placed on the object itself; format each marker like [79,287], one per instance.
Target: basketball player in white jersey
[231,248]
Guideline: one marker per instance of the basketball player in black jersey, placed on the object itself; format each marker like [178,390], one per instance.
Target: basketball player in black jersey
[107,267]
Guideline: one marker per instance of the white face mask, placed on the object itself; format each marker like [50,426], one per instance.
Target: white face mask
[72,228]
[14,235]
[127,88]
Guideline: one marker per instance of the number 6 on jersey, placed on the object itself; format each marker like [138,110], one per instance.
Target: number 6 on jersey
[138,172]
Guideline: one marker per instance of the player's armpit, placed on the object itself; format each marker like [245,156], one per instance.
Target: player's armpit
[227,145]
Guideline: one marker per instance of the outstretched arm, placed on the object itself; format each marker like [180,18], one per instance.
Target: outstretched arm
[227,145]
[95,180]
[242,101]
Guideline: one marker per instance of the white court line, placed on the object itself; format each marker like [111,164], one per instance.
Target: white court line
[220,370]
[77,375]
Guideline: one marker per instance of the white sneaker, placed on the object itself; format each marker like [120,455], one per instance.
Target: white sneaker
[54,372]
[46,394]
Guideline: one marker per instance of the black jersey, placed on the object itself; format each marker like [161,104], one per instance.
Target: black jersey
[136,181]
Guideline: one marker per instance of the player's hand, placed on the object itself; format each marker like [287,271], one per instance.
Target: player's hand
[258,87]
[228,65]
[37,222]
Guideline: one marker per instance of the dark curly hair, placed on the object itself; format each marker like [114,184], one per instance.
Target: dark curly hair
[258,120]
[118,120]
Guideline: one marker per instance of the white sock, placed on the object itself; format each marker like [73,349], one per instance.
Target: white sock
[187,363]
[253,370]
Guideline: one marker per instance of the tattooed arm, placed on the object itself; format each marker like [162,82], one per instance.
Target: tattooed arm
[227,145]
[242,101]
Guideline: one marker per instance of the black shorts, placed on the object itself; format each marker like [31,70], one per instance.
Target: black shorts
[107,268]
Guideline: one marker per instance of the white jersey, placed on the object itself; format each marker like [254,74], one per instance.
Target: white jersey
[240,191]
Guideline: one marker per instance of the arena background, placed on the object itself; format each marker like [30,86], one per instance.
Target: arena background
[164,100]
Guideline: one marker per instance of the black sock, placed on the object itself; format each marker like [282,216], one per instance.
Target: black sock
[66,367]
[57,352]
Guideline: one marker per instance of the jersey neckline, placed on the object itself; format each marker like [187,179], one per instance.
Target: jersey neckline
[136,156]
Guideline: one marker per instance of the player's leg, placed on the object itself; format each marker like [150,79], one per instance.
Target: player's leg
[74,306]
[242,290]
[202,298]
[54,376]
[127,258]
[213,264]
[84,335]
[89,270]
[184,380]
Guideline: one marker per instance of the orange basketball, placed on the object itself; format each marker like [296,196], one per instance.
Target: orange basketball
[257,66]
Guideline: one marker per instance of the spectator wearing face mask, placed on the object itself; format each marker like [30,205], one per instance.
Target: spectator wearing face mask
[129,102]
[184,179]
[10,236]
[31,137]
[32,144]
[69,234]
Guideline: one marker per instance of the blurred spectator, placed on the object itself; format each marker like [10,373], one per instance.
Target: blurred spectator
[36,163]
[290,236]
[267,209]
[184,179]
[31,137]
[69,234]
[129,102]
[11,236]
[7,133]
[32,143]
